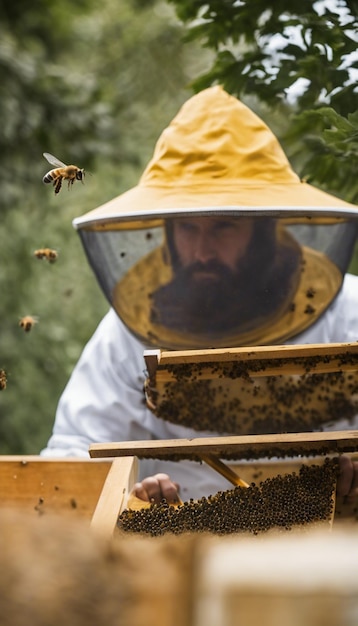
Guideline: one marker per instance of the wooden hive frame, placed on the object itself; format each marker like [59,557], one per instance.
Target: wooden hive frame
[294,360]
[262,389]
[123,473]
[260,360]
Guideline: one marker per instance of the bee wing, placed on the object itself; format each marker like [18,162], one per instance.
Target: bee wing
[52,159]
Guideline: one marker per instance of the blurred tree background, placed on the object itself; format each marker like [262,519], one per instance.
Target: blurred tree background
[95,85]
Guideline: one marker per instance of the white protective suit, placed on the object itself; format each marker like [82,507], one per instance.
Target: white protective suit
[104,400]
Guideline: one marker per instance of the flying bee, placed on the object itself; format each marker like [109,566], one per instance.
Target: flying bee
[46,253]
[62,172]
[3,379]
[27,322]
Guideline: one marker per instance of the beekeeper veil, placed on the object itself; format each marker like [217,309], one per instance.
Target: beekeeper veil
[220,244]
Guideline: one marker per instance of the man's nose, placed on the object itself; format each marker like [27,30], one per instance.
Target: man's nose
[204,249]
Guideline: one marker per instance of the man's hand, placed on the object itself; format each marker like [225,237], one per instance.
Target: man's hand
[347,483]
[156,488]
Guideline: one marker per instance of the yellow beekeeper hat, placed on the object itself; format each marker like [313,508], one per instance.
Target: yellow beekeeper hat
[217,153]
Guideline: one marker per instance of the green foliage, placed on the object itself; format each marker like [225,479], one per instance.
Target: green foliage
[93,84]
[267,49]
[264,47]
[333,154]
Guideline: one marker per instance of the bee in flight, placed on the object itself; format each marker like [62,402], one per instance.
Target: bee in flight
[28,322]
[62,172]
[3,379]
[46,253]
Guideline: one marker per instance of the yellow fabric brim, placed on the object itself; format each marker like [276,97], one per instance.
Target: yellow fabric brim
[295,200]
[217,154]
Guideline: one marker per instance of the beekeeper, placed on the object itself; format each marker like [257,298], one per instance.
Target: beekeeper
[219,245]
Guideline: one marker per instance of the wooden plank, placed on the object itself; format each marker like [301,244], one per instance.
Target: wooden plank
[52,486]
[119,482]
[236,447]
[259,361]
[250,353]
[224,470]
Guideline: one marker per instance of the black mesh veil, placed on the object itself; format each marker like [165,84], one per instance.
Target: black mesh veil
[138,273]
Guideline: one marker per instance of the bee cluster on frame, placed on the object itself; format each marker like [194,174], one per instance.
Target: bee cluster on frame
[281,502]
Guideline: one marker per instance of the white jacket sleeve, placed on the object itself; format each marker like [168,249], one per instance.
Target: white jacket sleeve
[103,400]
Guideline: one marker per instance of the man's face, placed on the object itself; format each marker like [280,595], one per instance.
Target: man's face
[208,243]
[228,273]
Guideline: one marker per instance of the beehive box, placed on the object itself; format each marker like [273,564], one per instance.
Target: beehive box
[65,574]
[42,486]
[296,579]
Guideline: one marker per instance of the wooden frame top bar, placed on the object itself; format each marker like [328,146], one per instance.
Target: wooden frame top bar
[268,352]
[237,447]
[338,352]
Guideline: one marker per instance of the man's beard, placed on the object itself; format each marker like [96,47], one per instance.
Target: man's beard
[233,300]
[195,305]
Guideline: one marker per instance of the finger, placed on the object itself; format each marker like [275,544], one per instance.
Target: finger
[156,488]
[153,489]
[168,488]
[148,490]
[140,492]
[346,476]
